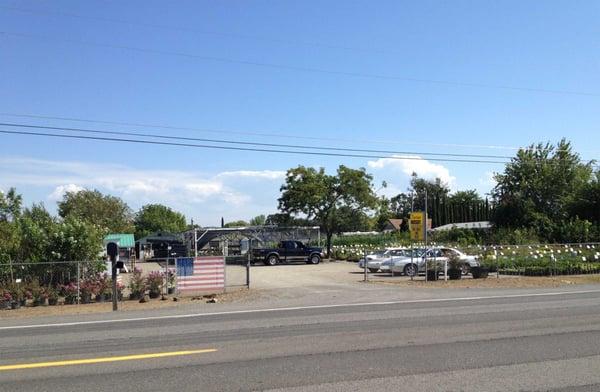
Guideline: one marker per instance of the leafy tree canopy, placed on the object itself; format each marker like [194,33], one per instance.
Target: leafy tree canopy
[327,199]
[157,217]
[110,213]
[238,223]
[258,220]
[539,187]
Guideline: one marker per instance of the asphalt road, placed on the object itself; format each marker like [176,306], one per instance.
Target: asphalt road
[519,343]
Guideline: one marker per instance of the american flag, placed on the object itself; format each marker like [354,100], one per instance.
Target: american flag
[200,274]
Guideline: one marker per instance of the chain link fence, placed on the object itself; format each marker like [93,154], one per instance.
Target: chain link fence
[502,260]
[76,282]
[45,283]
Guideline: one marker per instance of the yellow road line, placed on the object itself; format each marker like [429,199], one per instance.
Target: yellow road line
[103,360]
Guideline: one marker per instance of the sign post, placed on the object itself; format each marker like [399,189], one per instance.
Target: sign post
[112,249]
[417,232]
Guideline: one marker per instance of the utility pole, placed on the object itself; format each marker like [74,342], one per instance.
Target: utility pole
[195,239]
[412,244]
[425,234]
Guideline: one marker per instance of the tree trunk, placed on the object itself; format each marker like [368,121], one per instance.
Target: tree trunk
[328,239]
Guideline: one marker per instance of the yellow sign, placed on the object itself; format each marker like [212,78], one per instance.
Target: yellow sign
[416,225]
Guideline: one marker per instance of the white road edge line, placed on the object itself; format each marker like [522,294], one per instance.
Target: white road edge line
[191,315]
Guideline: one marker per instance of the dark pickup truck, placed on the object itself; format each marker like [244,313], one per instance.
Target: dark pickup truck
[287,251]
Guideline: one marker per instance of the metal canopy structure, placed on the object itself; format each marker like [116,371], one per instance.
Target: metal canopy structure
[255,234]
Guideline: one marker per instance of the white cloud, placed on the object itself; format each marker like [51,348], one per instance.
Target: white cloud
[196,194]
[60,191]
[409,164]
[488,179]
[263,174]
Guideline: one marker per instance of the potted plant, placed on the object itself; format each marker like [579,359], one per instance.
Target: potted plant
[42,299]
[170,282]
[154,281]
[137,286]
[36,294]
[5,299]
[479,272]
[17,294]
[52,296]
[69,291]
[120,288]
[454,267]
[433,269]
[102,289]
[87,288]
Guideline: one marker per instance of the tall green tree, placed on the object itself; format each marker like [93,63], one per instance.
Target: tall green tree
[325,198]
[258,220]
[157,217]
[436,190]
[110,213]
[401,205]
[586,205]
[33,235]
[10,236]
[287,220]
[468,197]
[37,229]
[76,239]
[538,188]
[237,223]
[383,213]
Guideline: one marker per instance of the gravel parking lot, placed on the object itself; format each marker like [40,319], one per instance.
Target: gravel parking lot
[297,275]
[346,274]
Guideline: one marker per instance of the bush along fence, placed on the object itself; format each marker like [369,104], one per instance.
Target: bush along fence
[82,282]
[51,283]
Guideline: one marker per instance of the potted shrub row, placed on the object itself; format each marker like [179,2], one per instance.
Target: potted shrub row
[153,284]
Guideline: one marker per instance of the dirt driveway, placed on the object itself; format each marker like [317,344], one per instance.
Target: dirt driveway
[346,274]
[298,275]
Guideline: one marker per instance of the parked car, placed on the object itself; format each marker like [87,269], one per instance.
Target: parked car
[376,255]
[440,255]
[393,255]
[288,251]
[406,264]
[377,259]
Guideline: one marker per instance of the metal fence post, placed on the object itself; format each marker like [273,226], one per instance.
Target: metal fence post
[78,286]
[497,263]
[175,274]
[248,268]
[12,279]
[446,270]
[366,278]
[166,285]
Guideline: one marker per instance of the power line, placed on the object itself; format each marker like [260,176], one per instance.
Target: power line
[199,31]
[251,149]
[170,137]
[296,152]
[303,69]
[278,135]
[262,134]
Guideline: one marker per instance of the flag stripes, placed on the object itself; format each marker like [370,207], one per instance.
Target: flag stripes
[200,274]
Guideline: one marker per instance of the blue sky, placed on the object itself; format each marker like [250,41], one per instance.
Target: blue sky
[52,63]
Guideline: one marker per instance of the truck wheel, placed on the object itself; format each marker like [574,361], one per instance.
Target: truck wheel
[272,260]
[315,259]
